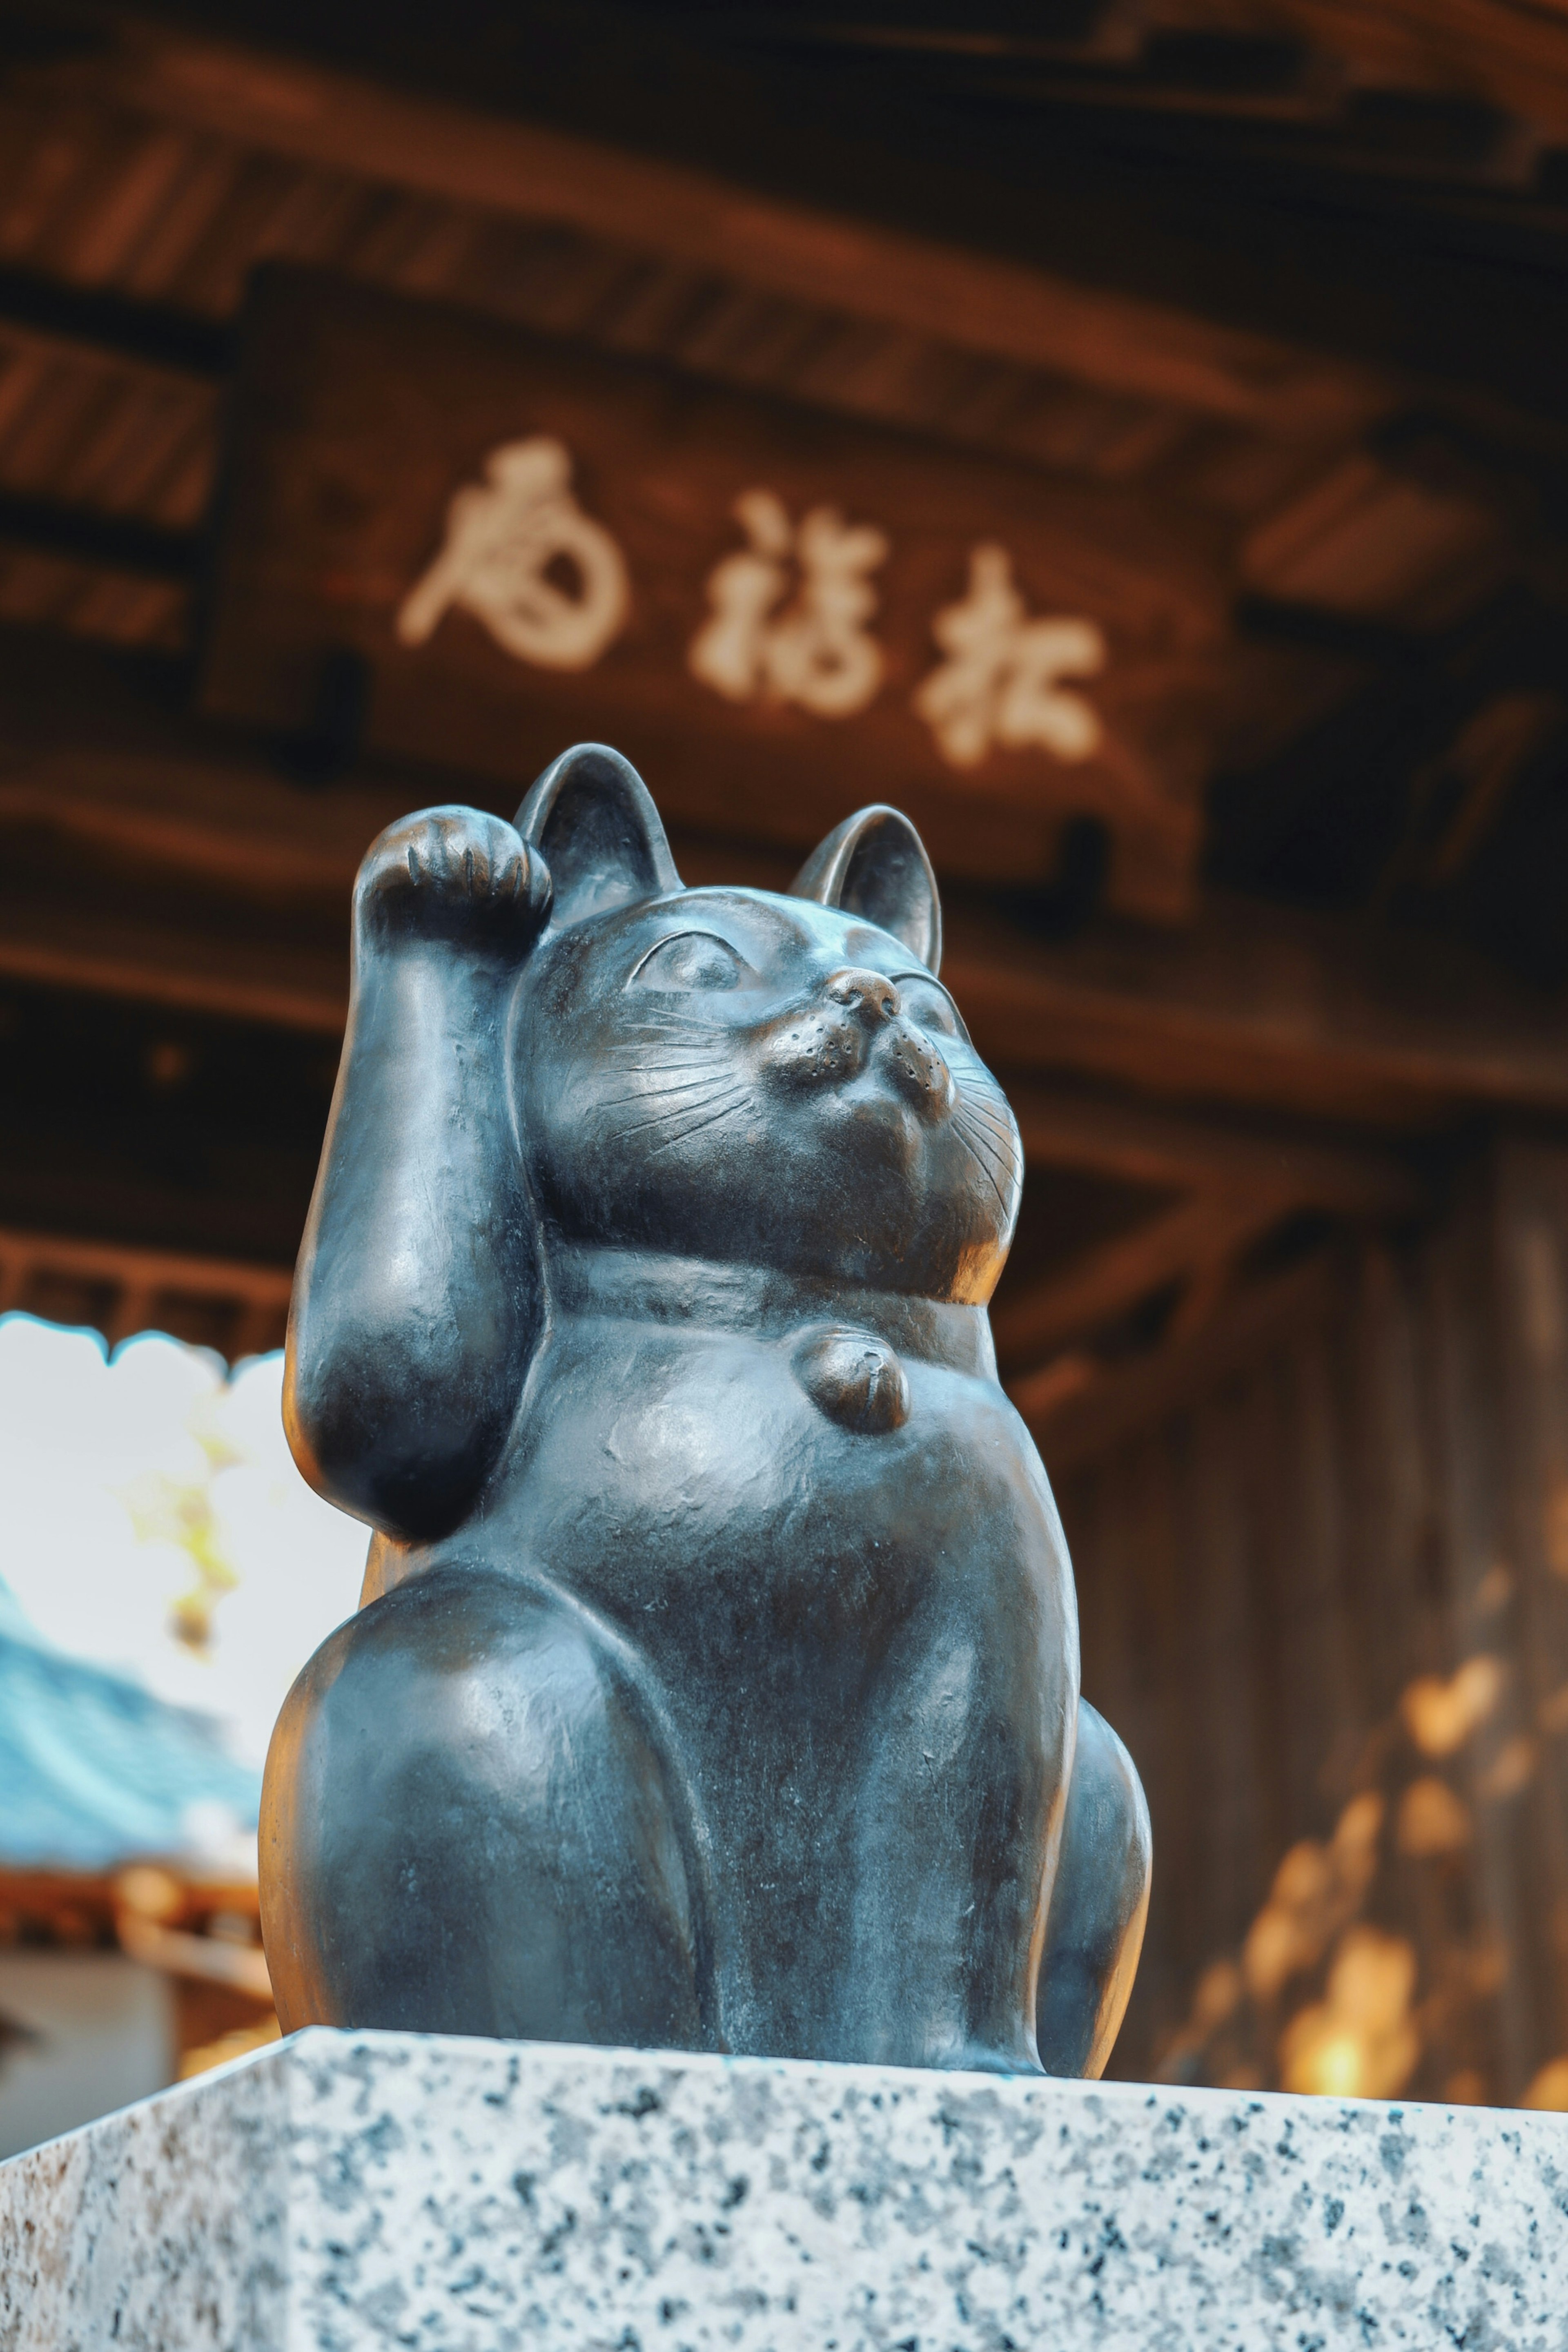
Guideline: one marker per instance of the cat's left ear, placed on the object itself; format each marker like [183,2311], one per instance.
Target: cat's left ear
[874,865]
[593,820]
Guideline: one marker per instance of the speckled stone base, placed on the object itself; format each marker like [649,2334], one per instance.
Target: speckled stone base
[345,2190]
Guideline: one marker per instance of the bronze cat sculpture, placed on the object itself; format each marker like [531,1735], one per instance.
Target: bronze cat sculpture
[715,1683]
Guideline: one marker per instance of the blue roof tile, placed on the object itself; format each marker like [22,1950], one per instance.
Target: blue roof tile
[94,1769]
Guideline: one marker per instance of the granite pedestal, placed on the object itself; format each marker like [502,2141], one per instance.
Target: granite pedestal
[347,2190]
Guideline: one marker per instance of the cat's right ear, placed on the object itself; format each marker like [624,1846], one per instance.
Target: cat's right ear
[874,865]
[593,820]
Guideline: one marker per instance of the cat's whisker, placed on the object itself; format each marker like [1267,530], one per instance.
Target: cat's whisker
[730,1084]
[674,1023]
[986,1172]
[986,1167]
[671,1029]
[1000,1143]
[997,1148]
[979,1109]
[1000,1178]
[689,1099]
[727,1096]
[977,1082]
[654,1073]
[653,1094]
[737,1102]
[1003,1138]
[1003,1175]
[974,1114]
[660,1066]
[696,1038]
[995,1114]
[687,1048]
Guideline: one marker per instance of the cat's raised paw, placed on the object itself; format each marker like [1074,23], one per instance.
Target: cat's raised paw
[855,1379]
[454,874]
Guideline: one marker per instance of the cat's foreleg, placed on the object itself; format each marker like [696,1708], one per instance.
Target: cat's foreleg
[417,1299]
[969,1752]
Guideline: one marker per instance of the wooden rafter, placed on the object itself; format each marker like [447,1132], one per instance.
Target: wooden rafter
[1146,1145]
[1518,56]
[198,973]
[1236,1184]
[140,1285]
[1249,1005]
[282,106]
[1107,1281]
[1260,1005]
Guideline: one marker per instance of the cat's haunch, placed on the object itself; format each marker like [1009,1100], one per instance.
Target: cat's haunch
[715,1683]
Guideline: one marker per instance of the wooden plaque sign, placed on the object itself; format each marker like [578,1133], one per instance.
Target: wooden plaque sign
[777,613]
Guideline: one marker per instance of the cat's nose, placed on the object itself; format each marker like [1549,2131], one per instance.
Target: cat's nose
[865,993]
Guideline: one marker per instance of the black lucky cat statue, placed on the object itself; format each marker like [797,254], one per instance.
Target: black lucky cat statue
[715,1684]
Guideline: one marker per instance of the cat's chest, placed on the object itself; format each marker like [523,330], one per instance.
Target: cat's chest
[823,1471]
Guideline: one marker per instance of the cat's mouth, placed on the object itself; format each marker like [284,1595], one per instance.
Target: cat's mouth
[918,1069]
[823,1047]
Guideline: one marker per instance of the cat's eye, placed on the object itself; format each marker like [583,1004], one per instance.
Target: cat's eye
[927,1003]
[692,960]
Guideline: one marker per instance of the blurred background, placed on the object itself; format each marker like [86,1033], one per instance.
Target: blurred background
[1128,434]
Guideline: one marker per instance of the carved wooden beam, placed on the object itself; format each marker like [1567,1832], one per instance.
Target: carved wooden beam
[284,106]
[1238,1182]
[195,971]
[1146,1145]
[149,855]
[1107,1281]
[1080,1409]
[1258,1005]
[1248,1007]
[144,1289]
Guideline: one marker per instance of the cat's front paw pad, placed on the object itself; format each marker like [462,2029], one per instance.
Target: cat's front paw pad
[454,873]
[855,1379]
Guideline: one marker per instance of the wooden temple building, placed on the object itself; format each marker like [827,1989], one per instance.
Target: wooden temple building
[129,1948]
[1130,435]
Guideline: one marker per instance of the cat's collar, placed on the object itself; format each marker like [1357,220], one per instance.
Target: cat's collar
[645,1287]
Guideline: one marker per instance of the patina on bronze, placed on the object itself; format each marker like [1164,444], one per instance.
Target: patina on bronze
[716,1679]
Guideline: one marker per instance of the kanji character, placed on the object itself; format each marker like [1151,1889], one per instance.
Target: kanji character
[815,649]
[1001,683]
[502,536]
